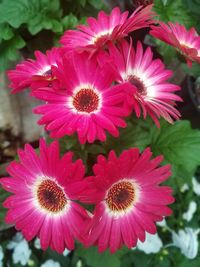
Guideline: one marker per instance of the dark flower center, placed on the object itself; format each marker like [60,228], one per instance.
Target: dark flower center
[101,40]
[86,100]
[51,197]
[138,84]
[48,73]
[120,196]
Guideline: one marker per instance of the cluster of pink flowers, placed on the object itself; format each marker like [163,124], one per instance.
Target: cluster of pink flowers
[47,191]
[89,85]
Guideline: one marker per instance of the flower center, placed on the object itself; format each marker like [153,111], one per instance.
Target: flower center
[48,73]
[193,51]
[120,196]
[138,84]
[101,37]
[51,197]
[86,100]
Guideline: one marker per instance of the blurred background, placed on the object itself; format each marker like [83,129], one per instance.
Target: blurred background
[29,25]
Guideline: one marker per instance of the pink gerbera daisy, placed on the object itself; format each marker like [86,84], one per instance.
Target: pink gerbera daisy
[187,42]
[106,28]
[128,199]
[154,94]
[44,192]
[34,73]
[86,103]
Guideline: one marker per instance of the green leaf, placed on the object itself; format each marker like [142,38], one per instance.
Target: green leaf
[136,134]
[3,196]
[37,14]
[164,2]
[46,15]
[6,32]
[174,11]
[82,2]
[193,6]
[165,262]
[193,71]
[96,3]
[190,263]
[95,149]
[69,21]
[167,51]
[180,145]
[140,259]
[13,12]
[50,254]
[96,259]
[8,51]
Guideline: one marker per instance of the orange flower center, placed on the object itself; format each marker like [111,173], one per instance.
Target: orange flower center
[51,196]
[86,100]
[120,196]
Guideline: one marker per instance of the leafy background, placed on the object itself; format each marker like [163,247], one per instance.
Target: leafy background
[27,25]
[37,24]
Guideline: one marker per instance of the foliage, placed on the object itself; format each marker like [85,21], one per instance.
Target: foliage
[3,196]
[24,21]
[94,259]
[194,71]
[175,11]
[180,145]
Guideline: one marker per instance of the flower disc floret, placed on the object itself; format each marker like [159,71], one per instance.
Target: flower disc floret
[51,197]
[121,197]
[86,100]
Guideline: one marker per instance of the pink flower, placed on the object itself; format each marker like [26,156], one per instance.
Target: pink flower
[44,191]
[86,102]
[154,95]
[34,73]
[187,42]
[128,199]
[106,28]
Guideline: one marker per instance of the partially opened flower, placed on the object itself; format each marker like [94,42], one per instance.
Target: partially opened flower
[44,191]
[86,104]
[106,28]
[187,42]
[128,199]
[34,73]
[154,94]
